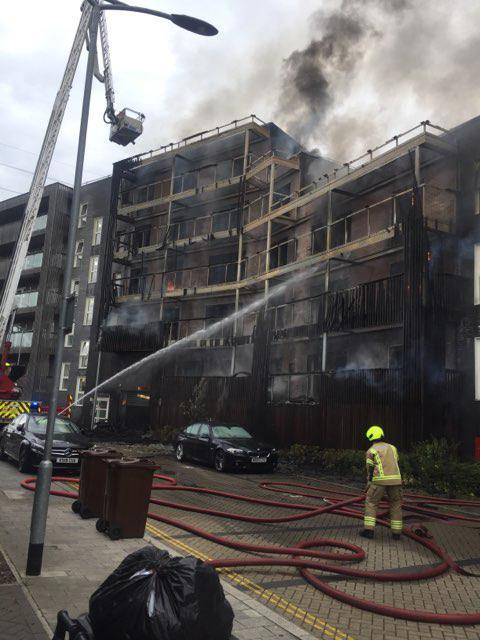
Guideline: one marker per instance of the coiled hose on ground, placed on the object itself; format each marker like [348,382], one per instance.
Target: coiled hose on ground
[309,555]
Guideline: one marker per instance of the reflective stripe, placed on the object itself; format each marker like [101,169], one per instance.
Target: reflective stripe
[397,476]
[370,462]
[369,520]
[10,409]
[378,461]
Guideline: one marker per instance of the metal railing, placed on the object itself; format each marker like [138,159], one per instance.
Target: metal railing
[202,227]
[191,278]
[363,160]
[356,226]
[201,135]
[179,329]
[200,178]
[271,153]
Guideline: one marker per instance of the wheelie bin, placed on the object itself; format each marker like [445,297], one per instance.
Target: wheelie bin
[93,478]
[127,496]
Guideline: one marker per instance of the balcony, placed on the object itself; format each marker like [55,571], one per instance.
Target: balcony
[40,223]
[202,277]
[26,300]
[185,185]
[33,261]
[133,338]
[21,340]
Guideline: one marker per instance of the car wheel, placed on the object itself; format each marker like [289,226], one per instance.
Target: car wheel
[179,452]
[24,464]
[220,461]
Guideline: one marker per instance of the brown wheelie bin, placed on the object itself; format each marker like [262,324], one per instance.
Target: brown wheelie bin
[127,496]
[93,477]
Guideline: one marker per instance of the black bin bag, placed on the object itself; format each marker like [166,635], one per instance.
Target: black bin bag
[152,596]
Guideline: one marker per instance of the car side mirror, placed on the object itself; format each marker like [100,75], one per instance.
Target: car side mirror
[20,428]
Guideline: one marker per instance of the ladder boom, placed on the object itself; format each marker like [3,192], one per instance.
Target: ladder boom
[40,175]
[107,73]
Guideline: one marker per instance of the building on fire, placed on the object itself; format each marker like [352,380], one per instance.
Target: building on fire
[378,325]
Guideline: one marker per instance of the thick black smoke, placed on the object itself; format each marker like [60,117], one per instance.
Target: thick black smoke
[341,75]
[312,75]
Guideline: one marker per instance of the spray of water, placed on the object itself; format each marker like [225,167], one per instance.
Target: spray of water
[201,334]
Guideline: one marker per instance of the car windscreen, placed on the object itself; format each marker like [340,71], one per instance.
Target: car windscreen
[39,426]
[230,432]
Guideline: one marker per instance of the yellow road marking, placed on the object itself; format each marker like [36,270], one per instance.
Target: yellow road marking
[271,597]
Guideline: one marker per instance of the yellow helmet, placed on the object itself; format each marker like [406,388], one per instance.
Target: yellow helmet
[375,433]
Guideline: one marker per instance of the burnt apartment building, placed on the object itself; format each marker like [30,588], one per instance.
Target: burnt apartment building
[37,303]
[377,325]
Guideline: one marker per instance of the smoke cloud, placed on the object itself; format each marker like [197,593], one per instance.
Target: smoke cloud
[341,76]
[309,74]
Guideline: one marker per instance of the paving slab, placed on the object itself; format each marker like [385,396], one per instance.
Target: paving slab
[77,559]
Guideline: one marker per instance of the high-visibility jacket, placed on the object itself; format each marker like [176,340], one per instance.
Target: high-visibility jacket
[383,459]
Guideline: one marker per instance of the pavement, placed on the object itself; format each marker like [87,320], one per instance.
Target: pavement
[268,602]
[77,559]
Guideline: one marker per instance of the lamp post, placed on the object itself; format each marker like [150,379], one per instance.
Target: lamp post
[42,490]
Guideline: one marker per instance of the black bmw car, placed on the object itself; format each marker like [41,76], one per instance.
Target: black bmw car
[224,447]
[23,440]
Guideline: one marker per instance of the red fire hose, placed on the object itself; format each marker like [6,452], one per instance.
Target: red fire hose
[307,556]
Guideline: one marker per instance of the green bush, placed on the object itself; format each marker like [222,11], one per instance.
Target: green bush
[432,466]
[466,479]
[348,462]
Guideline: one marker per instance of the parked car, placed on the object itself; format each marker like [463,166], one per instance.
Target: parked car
[224,447]
[23,440]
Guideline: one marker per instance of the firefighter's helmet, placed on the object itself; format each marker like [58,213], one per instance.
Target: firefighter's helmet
[375,433]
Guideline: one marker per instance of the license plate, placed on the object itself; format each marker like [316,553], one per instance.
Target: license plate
[259,460]
[67,460]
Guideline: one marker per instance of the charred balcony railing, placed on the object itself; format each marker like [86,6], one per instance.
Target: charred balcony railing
[179,329]
[337,387]
[196,179]
[357,226]
[203,135]
[363,160]
[129,243]
[192,278]
[208,175]
[375,387]
[134,194]
[373,304]
[132,338]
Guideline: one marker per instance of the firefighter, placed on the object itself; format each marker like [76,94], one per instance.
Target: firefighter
[383,479]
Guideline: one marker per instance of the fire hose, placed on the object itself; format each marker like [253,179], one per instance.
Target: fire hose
[309,555]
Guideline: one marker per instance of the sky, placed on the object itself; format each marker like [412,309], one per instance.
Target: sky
[339,75]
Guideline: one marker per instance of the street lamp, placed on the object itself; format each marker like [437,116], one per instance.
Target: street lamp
[42,491]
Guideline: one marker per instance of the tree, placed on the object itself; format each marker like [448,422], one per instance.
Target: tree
[195,408]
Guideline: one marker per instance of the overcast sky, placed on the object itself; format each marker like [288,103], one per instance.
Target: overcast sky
[340,75]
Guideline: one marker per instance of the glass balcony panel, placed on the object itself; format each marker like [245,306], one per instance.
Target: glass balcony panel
[21,340]
[33,261]
[27,299]
[40,223]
